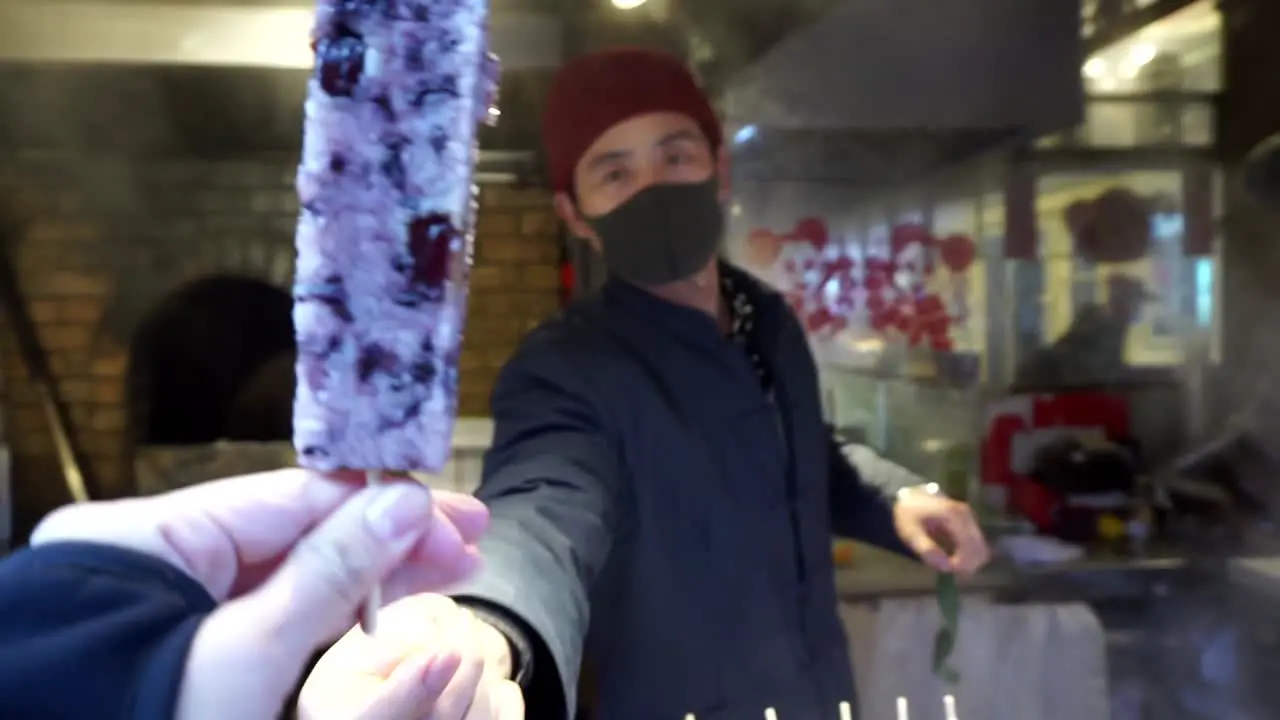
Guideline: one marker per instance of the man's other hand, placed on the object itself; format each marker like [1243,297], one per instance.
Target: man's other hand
[429,660]
[942,531]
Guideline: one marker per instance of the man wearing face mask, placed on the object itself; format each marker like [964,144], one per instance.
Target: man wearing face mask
[662,488]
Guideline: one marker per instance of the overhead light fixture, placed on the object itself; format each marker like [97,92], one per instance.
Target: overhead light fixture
[628,4]
[1142,54]
[745,135]
[1095,68]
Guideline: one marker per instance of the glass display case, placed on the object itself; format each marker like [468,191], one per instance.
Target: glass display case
[926,425]
[1044,274]
[1083,262]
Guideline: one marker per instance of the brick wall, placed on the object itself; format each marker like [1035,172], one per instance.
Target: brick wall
[105,240]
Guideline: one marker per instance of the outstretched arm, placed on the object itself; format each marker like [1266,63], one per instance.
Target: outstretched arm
[551,483]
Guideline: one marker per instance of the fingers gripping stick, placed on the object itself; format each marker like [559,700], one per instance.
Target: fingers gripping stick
[369,613]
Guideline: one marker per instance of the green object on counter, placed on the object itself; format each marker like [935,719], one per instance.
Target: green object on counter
[945,641]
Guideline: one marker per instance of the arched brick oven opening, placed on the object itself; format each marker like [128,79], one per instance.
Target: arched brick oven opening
[211,364]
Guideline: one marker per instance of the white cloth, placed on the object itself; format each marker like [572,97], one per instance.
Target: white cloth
[1038,549]
[1016,662]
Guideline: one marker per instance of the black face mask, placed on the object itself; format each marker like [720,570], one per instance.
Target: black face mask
[662,234]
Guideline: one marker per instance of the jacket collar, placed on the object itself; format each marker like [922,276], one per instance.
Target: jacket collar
[686,323]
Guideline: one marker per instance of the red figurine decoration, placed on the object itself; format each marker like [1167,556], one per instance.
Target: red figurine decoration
[815,277]
[763,248]
[820,281]
[898,297]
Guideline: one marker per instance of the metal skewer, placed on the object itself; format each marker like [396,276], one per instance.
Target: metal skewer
[369,613]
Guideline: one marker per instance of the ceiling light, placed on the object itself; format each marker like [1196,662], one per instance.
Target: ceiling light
[1095,68]
[628,4]
[1142,54]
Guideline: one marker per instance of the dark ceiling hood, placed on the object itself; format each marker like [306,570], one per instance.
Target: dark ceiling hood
[174,110]
[920,64]
[861,160]
[111,78]
[210,34]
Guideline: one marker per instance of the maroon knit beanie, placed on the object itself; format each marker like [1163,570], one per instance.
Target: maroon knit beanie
[594,92]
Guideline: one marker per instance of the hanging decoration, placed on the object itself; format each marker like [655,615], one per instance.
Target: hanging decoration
[1114,227]
[957,252]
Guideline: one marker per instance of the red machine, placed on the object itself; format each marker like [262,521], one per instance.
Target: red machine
[1016,427]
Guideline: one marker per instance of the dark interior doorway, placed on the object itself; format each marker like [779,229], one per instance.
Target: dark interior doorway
[214,361]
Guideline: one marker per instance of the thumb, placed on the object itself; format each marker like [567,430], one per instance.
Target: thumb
[315,593]
[930,552]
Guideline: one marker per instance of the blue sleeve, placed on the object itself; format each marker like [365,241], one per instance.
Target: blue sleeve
[93,631]
[551,482]
[860,511]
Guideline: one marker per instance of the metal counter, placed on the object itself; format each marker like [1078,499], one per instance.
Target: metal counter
[1189,635]
[877,574]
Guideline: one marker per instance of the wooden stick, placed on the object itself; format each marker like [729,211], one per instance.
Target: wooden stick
[846,712]
[369,613]
[902,709]
[770,714]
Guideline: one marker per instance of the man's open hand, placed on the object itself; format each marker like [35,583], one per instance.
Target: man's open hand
[429,660]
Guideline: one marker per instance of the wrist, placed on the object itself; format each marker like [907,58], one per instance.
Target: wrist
[497,649]
[507,645]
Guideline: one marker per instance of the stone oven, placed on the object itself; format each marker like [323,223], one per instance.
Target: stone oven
[152,211]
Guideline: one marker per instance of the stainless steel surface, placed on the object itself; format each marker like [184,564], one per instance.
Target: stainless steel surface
[72,476]
[1259,574]
[876,574]
[229,33]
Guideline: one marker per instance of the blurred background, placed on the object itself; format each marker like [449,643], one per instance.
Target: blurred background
[1032,243]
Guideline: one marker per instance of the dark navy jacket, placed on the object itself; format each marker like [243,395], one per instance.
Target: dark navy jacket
[90,631]
[654,511]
